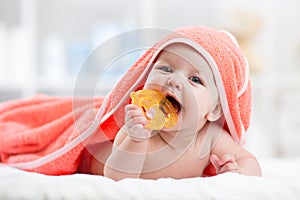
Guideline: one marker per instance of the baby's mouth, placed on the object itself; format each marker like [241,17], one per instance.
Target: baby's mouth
[176,105]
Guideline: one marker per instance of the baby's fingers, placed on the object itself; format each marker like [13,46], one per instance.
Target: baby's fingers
[138,120]
[133,110]
[230,167]
[225,164]
[134,115]
[139,133]
[216,162]
[228,158]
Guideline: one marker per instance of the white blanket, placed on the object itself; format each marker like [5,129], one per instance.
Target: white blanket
[281,180]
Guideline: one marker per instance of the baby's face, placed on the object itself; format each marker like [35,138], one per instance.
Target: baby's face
[186,79]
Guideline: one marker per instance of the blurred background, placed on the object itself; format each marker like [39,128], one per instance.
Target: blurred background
[43,44]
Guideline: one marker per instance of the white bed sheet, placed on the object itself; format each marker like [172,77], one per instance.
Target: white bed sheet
[281,180]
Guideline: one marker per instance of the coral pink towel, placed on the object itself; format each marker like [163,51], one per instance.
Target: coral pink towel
[31,129]
[47,134]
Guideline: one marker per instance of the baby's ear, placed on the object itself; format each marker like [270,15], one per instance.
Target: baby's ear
[215,113]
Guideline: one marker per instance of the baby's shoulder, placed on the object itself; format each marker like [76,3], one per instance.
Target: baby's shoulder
[211,130]
[209,134]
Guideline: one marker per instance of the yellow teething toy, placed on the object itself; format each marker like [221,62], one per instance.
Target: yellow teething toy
[158,110]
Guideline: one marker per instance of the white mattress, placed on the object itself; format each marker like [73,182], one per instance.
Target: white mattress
[281,180]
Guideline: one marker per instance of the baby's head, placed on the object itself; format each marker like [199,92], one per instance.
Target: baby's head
[184,76]
[228,65]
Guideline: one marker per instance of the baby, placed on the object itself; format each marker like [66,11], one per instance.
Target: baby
[196,140]
[203,73]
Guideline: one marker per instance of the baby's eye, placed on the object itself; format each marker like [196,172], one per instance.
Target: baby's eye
[166,69]
[196,80]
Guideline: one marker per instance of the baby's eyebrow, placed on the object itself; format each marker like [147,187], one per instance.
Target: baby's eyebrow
[160,63]
[164,57]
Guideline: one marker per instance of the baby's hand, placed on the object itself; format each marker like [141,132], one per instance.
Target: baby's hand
[135,122]
[226,164]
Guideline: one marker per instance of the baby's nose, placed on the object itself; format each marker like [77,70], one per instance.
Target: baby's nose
[175,82]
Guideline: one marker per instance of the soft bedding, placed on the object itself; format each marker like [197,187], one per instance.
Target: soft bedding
[281,180]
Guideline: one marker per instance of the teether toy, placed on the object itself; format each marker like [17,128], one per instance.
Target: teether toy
[157,108]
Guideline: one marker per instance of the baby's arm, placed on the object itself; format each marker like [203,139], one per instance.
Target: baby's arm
[130,146]
[227,156]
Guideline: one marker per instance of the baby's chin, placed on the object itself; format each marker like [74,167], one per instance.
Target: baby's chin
[177,128]
[182,127]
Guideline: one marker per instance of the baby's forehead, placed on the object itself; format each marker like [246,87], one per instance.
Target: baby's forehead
[183,52]
[178,48]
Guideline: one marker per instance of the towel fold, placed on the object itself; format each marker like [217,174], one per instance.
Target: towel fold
[33,128]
